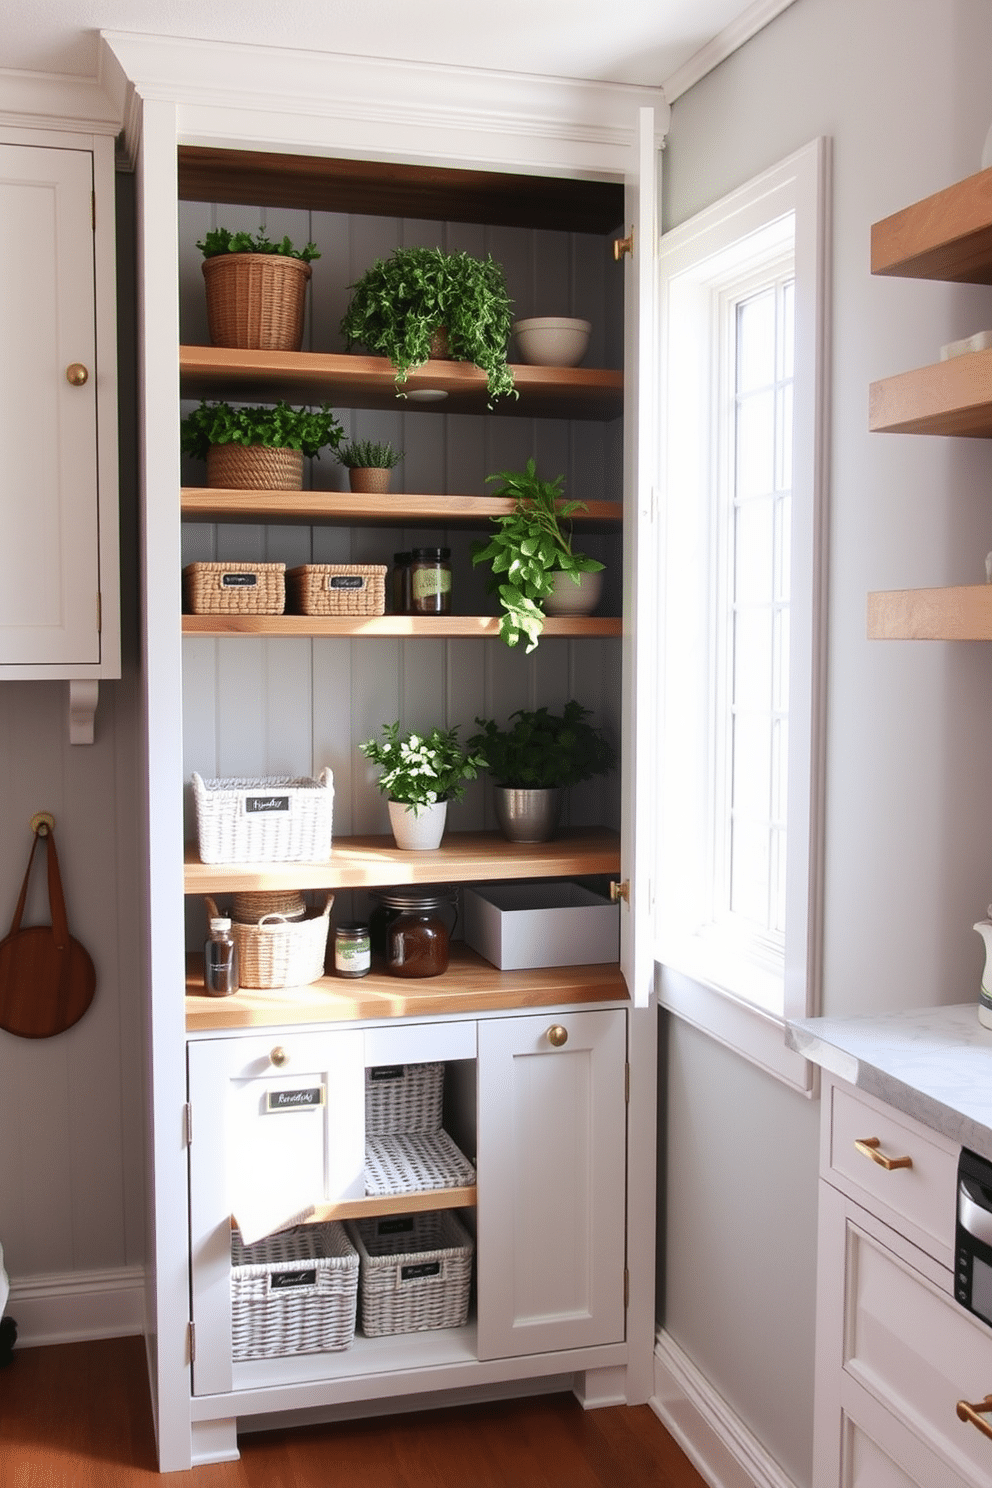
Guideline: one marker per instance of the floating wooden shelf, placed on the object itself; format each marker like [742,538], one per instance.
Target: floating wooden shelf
[952,397]
[206,504]
[470,985]
[349,381]
[463,857]
[962,613]
[371,627]
[946,236]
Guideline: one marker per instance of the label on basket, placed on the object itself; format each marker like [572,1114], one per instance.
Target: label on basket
[417,1269]
[402,1225]
[387,1072]
[257,805]
[294,1100]
[238,580]
[346,581]
[284,1281]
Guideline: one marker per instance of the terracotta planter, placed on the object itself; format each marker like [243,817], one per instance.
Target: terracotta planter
[256,301]
[368,480]
[254,467]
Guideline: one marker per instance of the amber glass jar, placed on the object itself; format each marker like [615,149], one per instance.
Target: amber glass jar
[410,929]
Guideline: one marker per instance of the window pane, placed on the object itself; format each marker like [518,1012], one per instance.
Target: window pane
[749,877]
[752,766]
[756,342]
[753,659]
[756,444]
[754,552]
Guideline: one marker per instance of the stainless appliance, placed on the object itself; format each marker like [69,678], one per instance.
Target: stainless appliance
[973,1236]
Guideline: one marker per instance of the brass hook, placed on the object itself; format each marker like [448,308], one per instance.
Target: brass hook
[42,823]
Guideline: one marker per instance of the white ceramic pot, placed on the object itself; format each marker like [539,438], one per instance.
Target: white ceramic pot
[569,598]
[418,831]
[552,340]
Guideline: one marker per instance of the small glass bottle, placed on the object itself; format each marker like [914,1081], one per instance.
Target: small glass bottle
[352,950]
[220,960]
[430,581]
[401,583]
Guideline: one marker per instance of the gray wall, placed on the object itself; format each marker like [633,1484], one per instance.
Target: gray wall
[904,87]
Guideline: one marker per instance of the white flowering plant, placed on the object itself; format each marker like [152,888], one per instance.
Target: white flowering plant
[418,770]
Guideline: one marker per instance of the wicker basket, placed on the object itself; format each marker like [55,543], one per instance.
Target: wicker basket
[403,1098]
[279,952]
[253,905]
[338,589]
[256,301]
[293,1293]
[271,819]
[234,588]
[254,467]
[415,1272]
[415,1162]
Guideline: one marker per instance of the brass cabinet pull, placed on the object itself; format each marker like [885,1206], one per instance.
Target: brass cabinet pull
[77,374]
[622,246]
[868,1147]
[974,1413]
[279,1057]
[557,1035]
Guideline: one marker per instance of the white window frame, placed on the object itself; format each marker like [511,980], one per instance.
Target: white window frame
[700,979]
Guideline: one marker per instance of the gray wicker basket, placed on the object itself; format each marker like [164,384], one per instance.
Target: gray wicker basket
[403,1098]
[415,1272]
[293,1293]
[415,1162]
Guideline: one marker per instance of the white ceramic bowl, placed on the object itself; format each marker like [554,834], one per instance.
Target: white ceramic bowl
[552,340]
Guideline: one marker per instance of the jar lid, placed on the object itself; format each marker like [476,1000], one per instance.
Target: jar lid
[412,896]
[352,927]
[434,554]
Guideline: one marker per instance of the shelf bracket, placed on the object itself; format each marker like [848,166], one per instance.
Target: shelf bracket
[83,698]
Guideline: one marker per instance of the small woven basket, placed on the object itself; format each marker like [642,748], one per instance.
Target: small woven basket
[403,1098]
[278,952]
[415,1272]
[293,1293]
[234,588]
[338,589]
[415,1162]
[256,301]
[267,819]
[253,905]
[254,467]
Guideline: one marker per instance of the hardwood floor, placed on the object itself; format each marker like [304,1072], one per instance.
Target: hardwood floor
[77,1416]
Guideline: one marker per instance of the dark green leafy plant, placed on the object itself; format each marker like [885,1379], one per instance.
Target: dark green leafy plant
[221,240]
[541,749]
[398,304]
[421,769]
[529,545]
[277,427]
[364,454]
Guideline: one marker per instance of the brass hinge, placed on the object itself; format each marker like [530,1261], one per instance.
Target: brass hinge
[191,1341]
[188,1121]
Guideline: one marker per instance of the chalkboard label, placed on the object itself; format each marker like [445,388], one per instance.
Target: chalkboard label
[346,581]
[285,1281]
[418,1269]
[256,805]
[294,1100]
[398,1226]
[387,1072]
[238,580]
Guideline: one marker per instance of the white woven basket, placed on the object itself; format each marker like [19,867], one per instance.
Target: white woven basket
[415,1272]
[403,1098]
[269,819]
[415,1162]
[293,1293]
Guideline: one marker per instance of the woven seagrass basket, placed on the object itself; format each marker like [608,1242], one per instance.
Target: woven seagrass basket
[256,301]
[234,588]
[278,952]
[252,905]
[415,1272]
[337,589]
[293,1293]
[254,467]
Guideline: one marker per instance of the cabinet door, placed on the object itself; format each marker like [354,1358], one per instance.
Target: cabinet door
[277,1123]
[49,599]
[551,1182]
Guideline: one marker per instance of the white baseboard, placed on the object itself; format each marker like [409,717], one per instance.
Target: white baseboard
[76,1305]
[720,1446]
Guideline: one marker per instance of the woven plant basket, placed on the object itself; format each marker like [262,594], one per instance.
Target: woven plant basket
[293,1293]
[415,1272]
[278,952]
[234,588]
[338,589]
[369,480]
[256,301]
[254,467]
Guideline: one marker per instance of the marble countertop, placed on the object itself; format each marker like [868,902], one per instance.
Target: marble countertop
[934,1064]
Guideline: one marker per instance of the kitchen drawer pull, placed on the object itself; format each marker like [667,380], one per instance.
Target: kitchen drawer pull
[974,1413]
[868,1147]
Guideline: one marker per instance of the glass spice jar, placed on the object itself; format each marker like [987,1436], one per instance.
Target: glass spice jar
[352,950]
[430,581]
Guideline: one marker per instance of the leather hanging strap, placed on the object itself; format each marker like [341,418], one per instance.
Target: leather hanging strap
[47,979]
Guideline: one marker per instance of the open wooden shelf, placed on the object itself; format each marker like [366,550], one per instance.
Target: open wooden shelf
[352,381]
[470,985]
[208,504]
[946,236]
[952,397]
[371,627]
[375,862]
[960,613]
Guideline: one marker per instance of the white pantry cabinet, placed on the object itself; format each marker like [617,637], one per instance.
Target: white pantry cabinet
[59,602]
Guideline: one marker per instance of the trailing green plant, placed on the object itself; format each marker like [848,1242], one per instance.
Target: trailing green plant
[398,304]
[221,240]
[276,426]
[529,545]
[537,750]
[364,454]
[419,770]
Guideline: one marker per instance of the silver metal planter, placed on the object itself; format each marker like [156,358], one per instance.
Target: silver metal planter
[527,815]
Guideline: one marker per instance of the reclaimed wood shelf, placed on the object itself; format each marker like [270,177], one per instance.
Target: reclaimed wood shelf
[952,397]
[946,236]
[960,613]
[371,627]
[352,381]
[393,509]
[470,985]
[375,862]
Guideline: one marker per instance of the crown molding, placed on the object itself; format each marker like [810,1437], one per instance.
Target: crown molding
[724,44]
[39,100]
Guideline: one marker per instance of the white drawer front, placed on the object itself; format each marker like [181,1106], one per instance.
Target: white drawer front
[918,1353]
[918,1200]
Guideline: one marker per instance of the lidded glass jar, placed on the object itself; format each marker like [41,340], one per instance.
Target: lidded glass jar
[410,928]
[430,581]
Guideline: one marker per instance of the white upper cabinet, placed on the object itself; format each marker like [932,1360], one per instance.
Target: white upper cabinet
[58,502]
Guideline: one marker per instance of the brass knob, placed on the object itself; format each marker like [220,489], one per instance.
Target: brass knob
[77,374]
[279,1057]
[622,246]
[557,1035]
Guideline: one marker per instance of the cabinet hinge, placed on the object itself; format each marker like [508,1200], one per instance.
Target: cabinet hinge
[626,1083]
[188,1123]
[99,613]
[191,1341]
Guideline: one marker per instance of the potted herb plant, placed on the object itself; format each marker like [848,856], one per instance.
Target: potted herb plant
[256,289]
[533,759]
[401,302]
[421,773]
[530,548]
[257,448]
[368,464]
